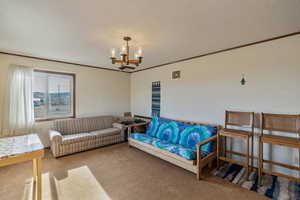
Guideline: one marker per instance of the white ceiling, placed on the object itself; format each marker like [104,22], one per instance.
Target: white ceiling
[84,31]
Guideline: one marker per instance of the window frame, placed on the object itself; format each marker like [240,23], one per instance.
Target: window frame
[73,98]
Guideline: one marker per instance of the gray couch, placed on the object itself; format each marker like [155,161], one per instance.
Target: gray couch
[75,135]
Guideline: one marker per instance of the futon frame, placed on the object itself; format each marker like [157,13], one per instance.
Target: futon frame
[195,166]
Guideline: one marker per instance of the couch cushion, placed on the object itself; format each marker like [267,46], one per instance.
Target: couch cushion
[179,150]
[153,127]
[106,132]
[169,132]
[98,123]
[143,138]
[74,138]
[192,135]
[71,126]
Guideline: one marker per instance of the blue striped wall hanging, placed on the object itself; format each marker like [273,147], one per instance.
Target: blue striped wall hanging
[156,98]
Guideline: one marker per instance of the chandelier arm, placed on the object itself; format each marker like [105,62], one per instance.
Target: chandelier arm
[118,61]
[133,61]
[140,59]
[124,58]
[127,48]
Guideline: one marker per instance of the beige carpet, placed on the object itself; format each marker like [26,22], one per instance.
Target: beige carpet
[115,173]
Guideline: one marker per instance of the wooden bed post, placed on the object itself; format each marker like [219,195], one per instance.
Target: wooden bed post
[199,164]
[218,150]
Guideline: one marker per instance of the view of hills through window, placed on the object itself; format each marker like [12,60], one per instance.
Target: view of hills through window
[52,95]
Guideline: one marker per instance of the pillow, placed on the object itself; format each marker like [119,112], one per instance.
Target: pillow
[169,132]
[183,126]
[153,127]
[192,135]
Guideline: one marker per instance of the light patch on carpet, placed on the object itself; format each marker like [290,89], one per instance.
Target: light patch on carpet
[74,184]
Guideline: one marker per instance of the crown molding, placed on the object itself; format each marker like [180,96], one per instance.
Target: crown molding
[160,65]
[60,61]
[221,51]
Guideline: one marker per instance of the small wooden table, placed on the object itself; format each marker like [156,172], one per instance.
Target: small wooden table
[130,126]
[19,149]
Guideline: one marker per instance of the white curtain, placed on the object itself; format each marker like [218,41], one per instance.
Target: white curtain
[18,115]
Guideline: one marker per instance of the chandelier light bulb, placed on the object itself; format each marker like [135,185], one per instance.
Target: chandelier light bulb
[123,50]
[136,55]
[140,52]
[113,53]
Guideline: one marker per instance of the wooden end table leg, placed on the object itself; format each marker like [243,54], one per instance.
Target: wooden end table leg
[260,161]
[39,178]
[247,159]
[252,154]
[34,171]
[218,150]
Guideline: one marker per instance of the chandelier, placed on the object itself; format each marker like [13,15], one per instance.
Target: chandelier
[125,61]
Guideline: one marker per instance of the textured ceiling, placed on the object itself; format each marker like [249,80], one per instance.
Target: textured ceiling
[85,31]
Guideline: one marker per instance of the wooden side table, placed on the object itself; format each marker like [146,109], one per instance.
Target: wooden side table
[128,128]
[19,149]
[135,125]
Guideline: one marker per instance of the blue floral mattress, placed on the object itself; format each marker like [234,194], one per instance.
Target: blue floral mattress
[177,137]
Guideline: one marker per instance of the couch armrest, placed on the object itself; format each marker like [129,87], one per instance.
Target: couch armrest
[201,162]
[55,136]
[121,127]
[118,125]
[200,144]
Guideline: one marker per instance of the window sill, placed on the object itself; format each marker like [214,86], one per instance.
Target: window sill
[53,119]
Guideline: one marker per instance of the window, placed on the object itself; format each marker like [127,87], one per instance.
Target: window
[53,95]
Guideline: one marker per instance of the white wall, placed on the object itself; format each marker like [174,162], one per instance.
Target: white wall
[207,87]
[98,92]
[211,84]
